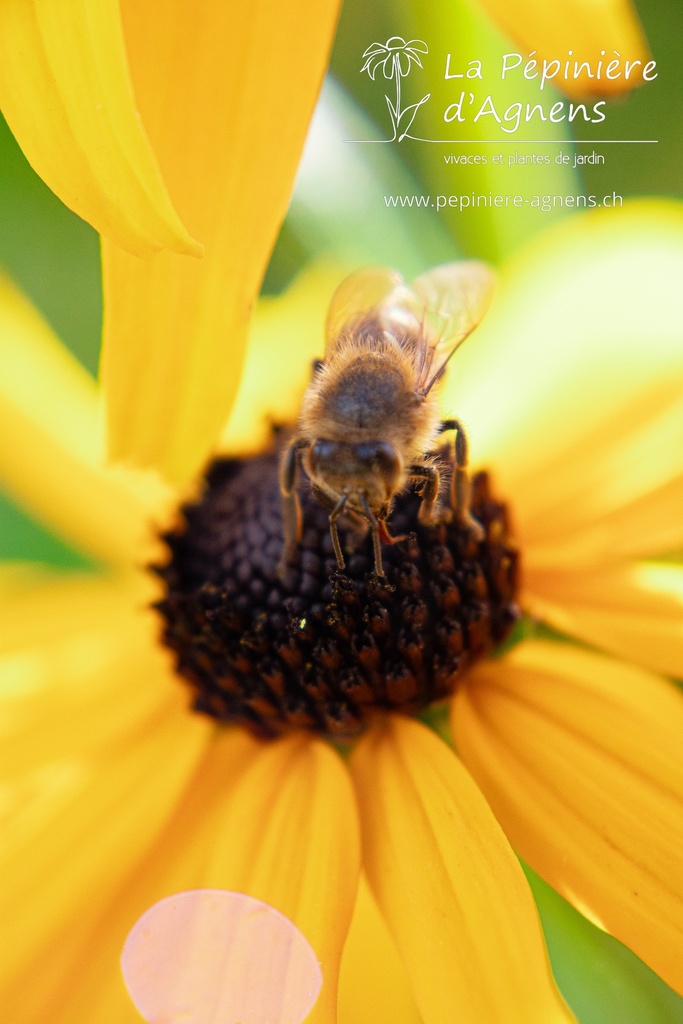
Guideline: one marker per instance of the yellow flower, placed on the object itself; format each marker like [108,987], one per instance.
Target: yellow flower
[118,795]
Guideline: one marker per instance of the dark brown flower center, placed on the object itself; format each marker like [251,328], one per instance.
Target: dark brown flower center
[319,648]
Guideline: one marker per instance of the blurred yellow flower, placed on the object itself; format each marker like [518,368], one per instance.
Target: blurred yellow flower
[117,795]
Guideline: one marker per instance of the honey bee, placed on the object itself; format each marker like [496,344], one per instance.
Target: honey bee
[370,417]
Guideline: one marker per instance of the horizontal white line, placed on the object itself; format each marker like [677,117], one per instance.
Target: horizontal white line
[521,142]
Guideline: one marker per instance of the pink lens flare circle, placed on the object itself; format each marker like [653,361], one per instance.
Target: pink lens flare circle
[208,956]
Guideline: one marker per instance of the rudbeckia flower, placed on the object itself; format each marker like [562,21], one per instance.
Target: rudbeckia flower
[120,795]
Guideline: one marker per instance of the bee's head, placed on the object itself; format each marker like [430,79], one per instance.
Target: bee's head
[372,468]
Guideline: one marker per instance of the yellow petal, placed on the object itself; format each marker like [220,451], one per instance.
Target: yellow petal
[373,983]
[448,884]
[52,451]
[580,758]
[619,492]
[289,836]
[561,361]
[287,335]
[635,611]
[584,27]
[561,350]
[276,821]
[79,967]
[89,821]
[66,93]
[40,606]
[228,127]
[66,649]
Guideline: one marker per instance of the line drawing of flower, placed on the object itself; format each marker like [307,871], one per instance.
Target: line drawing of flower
[395,58]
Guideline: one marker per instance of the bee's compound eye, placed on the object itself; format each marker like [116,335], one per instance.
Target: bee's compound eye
[324,454]
[383,458]
[345,464]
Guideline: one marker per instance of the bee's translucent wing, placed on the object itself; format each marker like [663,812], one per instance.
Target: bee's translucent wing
[455,297]
[431,318]
[372,290]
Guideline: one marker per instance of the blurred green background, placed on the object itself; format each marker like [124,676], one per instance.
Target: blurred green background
[339,208]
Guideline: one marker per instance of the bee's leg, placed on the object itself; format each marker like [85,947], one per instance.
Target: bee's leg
[460,480]
[430,492]
[374,527]
[291,509]
[334,516]
[382,529]
[385,536]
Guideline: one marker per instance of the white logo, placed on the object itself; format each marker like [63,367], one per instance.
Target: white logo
[395,58]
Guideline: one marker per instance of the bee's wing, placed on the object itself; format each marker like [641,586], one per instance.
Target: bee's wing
[372,291]
[455,297]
